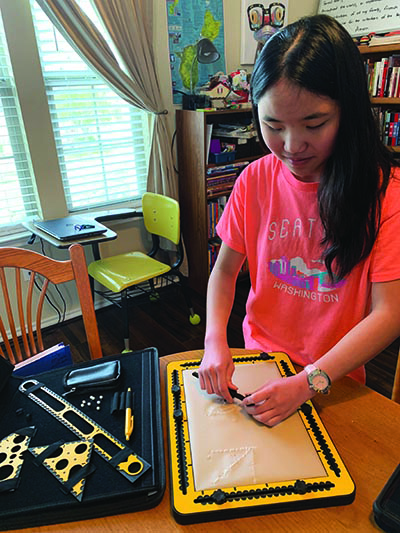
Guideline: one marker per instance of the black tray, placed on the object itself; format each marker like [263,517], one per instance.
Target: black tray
[39,498]
[387,505]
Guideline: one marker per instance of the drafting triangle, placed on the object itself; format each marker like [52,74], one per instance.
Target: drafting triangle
[68,462]
[12,458]
[231,460]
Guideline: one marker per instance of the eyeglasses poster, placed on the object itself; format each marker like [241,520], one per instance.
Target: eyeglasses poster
[260,20]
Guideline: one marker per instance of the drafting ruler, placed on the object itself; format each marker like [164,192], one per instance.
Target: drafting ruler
[106,445]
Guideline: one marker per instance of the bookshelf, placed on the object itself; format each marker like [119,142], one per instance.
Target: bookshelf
[192,133]
[383,104]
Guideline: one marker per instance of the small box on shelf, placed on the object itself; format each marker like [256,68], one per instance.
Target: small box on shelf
[222,157]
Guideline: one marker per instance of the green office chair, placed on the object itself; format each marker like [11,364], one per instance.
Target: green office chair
[124,274]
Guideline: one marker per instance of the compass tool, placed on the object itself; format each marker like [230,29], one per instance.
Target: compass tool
[68,462]
[11,457]
[106,445]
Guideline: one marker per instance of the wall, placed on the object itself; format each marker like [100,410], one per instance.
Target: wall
[298,9]
[130,234]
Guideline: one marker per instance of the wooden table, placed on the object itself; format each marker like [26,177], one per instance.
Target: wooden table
[365,429]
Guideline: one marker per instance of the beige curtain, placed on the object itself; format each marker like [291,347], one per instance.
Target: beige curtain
[129,68]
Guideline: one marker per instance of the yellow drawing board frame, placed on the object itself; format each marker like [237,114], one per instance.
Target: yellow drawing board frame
[190,505]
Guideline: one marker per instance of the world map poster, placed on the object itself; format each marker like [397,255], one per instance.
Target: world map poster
[191,22]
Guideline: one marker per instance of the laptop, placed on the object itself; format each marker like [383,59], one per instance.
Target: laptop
[71,227]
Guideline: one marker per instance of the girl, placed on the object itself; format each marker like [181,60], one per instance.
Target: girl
[318,220]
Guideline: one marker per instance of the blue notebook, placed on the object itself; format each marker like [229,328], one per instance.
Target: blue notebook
[55,357]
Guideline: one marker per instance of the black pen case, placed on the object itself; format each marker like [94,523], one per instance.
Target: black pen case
[101,376]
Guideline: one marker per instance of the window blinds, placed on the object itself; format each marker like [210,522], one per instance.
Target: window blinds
[101,140]
[17,189]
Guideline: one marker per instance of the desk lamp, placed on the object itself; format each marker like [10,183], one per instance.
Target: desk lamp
[206,53]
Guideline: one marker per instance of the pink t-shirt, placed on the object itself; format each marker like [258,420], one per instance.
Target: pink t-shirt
[273,219]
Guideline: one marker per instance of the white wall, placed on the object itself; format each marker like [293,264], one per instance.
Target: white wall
[302,8]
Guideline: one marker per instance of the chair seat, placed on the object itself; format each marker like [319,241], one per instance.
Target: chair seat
[122,271]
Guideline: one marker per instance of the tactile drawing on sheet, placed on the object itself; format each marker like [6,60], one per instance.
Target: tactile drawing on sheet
[225,464]
[230,448]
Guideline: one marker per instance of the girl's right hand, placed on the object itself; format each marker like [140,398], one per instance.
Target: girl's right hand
[216,371]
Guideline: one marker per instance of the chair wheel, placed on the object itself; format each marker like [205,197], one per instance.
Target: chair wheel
[195,319]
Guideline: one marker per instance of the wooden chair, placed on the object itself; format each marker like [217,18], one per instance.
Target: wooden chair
[396,383]
[21,313]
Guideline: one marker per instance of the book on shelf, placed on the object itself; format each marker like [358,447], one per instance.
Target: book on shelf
[238,131]
[213,249]
[222,169]
[394,90]
[57,356]
[213,218]
[218,191]
[383,76]
[391,89]
[372,75]
[215,209]
[391,127]
[214,194]
[221,184]
[208,138]
[219,178]
[388,38]
[392,72]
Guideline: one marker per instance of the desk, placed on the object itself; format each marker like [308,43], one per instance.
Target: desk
[99,216]
[365,429]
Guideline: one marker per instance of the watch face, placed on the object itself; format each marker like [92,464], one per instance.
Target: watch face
[320,382]
[317,379]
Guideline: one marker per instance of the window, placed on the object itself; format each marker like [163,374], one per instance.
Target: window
[101,140]
[17,190]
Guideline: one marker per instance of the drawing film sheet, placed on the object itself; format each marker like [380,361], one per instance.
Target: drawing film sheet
[229,448]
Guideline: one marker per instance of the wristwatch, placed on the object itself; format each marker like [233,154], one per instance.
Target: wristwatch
[318,380]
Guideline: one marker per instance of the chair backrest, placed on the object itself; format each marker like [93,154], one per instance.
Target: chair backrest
[396,383]
[161,216]
[22,311]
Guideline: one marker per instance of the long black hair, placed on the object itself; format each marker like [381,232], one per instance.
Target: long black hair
[317,54]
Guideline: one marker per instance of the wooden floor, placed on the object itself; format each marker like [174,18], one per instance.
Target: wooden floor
[165,325]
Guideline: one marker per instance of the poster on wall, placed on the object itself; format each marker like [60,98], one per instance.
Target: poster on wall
[258,22]
[362,17]
[196,43]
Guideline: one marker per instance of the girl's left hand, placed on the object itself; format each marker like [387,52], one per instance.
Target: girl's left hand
[278,399]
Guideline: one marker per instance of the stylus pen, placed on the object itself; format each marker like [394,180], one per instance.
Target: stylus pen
[129,418]
[234,393]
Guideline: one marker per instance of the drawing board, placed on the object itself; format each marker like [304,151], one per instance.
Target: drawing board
[225,464]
